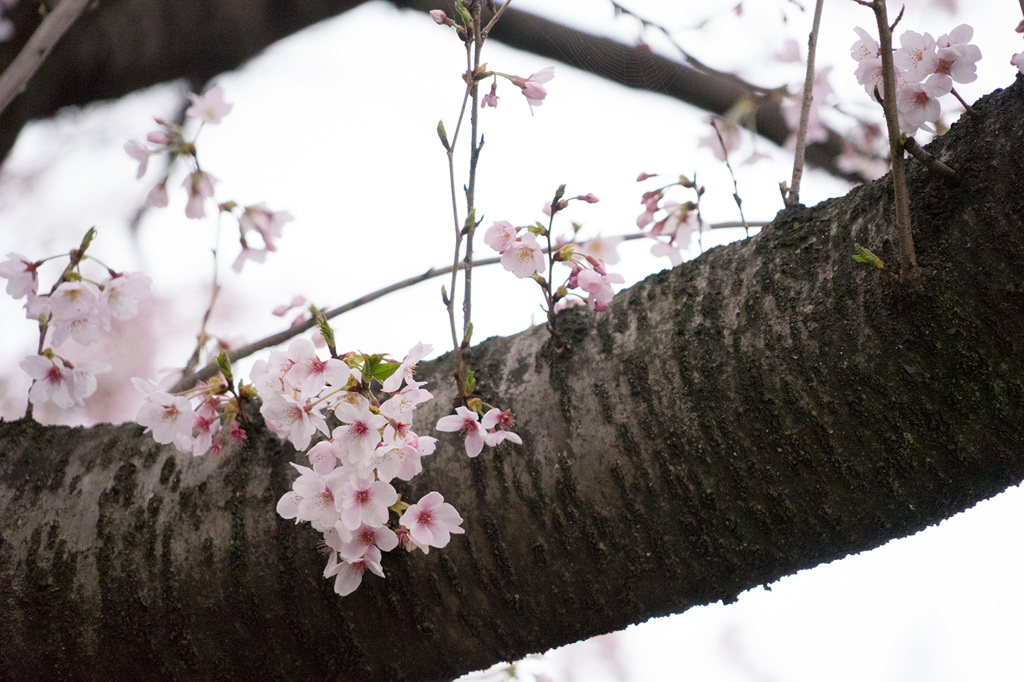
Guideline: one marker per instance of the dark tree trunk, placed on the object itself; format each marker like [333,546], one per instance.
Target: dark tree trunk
[767,407]
[125,45]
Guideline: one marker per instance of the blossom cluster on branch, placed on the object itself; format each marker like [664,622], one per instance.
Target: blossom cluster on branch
[926,69]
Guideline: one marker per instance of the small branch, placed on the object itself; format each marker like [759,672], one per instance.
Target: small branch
[967,107]
[792,198]
[31,57]
[735,185]
[930,162]
[908,260]
[187,381]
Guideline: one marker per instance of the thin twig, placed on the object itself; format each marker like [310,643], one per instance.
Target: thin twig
[793,197]
[908,260]
[735,185]
[39,45]
[291,332]
[930,162]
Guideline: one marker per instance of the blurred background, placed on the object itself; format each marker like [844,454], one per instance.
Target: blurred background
[337,126]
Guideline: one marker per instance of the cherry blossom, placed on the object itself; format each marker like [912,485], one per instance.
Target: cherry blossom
[140,154]
[210,107]
[200,188]
[291,419]
[121,294]
[167,416]
[465,421]
[21,275]
[350,573]
[532,87]
[431,522]
[500,236]
[407,367]
[361,499]
[360,432]
[1018,60]
[157,197]
[59,382]
[525,257]
[491,98]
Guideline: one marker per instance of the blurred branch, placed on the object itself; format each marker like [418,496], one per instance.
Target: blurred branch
[20,71]
[127,45]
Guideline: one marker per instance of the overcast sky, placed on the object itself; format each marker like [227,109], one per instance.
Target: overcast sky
[337,124]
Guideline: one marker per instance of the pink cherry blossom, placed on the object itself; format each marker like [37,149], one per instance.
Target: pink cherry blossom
[350,573]
[258,218]
[58,382]
[157,197]
[310,373]
[1018,60]
[498,423]
[361,499]
[605,248]
[491,98]
[465,422]
[121,294]
[525,257]
[533,87]
[169,417]
[210,107]
[431,522]
[360,432]
[865,48]
[20,274]
[140,154]
[200,188]
[916,57]
[407,367]
[916,104]
[598,287]
[500,236]
[290,419]
[365,537]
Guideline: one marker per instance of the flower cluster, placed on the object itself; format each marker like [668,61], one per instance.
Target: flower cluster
[672,224]
[347,492]
[523,256]
[531,87]
[200,421]
[74,308]
[1018,58]
[926,69]
[490,430]
[169,138]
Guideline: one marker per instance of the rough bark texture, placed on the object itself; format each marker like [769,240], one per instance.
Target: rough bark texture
[125,45]
[767,407]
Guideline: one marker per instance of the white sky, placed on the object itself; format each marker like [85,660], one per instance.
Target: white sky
[337,126]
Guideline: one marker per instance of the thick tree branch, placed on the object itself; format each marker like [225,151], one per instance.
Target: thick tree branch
[126,45]
[767,407]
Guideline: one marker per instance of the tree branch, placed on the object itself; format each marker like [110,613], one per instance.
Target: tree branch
[126,45]
[767,407]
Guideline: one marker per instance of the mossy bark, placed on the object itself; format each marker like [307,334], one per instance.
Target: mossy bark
[765,408]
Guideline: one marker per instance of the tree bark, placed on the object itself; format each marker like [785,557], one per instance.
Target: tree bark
[125,45]
[765,408]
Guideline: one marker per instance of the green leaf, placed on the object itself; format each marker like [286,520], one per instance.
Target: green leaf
[464,14]
[470,382]
[443,135]
[865,256]
[384,370]
[224,365]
